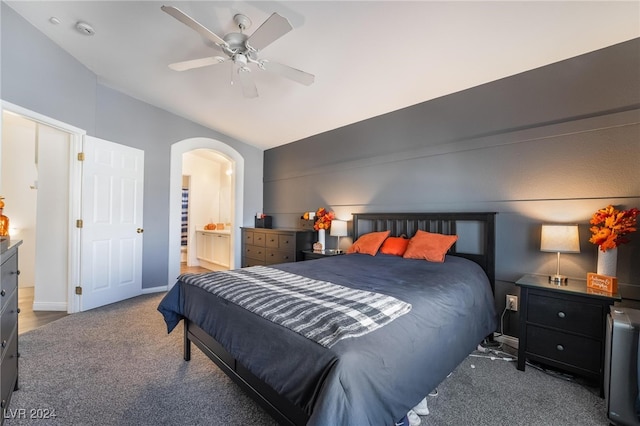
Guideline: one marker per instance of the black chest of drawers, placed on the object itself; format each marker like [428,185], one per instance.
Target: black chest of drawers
[8,325]
[262,246]
[563,326]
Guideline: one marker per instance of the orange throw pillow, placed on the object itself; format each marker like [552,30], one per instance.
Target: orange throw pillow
[429,246]
[395,246]
[368,243]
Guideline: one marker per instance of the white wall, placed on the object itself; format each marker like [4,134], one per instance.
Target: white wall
[204,193]
[18,174]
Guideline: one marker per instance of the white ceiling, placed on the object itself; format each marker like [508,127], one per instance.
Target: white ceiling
[369,58]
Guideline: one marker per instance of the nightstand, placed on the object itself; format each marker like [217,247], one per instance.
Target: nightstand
[563,326]
[311,254]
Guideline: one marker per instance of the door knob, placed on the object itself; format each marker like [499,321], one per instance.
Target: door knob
[139,230]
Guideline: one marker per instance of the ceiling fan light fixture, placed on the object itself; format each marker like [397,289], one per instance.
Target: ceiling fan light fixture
[240,60]
[243,50]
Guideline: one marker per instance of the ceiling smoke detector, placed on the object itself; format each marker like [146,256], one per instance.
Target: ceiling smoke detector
[84,28]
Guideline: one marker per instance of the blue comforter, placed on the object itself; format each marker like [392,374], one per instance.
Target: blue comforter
[368,380]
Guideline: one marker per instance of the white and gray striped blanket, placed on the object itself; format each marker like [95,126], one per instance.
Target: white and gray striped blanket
[318,310]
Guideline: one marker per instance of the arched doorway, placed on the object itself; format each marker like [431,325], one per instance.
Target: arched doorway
[175,195]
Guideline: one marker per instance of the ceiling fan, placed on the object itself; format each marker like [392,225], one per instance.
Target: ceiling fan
[242,50]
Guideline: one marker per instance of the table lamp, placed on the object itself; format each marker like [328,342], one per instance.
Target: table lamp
[338,229]
[559,239]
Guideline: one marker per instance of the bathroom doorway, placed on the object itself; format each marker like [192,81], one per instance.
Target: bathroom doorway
[206,210]
[235,200]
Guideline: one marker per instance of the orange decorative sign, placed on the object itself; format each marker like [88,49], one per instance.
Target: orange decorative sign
[602,282]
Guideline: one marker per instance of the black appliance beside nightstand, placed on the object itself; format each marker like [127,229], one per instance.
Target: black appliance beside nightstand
[563,326]
[313,254]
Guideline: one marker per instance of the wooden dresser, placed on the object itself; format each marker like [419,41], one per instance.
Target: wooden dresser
[9,324]
[262,246]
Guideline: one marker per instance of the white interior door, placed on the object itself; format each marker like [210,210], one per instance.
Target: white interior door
[111,236]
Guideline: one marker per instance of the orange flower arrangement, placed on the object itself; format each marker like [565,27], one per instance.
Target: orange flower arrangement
[610,226]
[323,219]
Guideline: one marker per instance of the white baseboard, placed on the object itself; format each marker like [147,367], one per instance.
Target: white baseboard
[154,290]
[508,340]
[50,306]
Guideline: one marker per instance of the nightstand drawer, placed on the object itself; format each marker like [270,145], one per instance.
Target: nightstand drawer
[566,314]
[572,350]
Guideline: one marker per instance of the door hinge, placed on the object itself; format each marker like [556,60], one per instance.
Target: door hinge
[78,290]
[81,156]
[79,223]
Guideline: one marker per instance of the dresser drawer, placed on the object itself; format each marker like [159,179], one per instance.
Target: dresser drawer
[279,256]
[569,349]
[566,314]
[259,239]
[255,252]
[8,321]
[9,371]
[9,271]
[247,237]
[247,261]
[281,241]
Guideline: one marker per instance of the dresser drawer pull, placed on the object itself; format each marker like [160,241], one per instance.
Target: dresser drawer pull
[561,314]
[560,347]
[4,343]
[3,293]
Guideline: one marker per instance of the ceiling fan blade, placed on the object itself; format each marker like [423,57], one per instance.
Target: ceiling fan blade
[193,24]
[249,89]
[272,29]
[289,72]
[196,63]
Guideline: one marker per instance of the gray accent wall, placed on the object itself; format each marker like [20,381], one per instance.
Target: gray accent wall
[551,145]
[40,76]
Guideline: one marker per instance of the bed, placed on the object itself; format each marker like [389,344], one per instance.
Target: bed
[440,313]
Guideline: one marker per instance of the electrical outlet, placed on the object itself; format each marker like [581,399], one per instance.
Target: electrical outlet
[512,302]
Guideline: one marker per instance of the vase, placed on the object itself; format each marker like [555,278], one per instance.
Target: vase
[321,236]
[607,262]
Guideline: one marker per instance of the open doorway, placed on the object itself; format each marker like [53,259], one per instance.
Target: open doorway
[236,198]
[37,182]
[206,211]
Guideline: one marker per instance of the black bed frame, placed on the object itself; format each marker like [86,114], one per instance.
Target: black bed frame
[283,411]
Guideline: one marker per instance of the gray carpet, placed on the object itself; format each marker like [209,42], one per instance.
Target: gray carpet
[116,365]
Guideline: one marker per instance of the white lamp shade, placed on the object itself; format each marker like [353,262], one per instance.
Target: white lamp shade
[338,228]
[560,239]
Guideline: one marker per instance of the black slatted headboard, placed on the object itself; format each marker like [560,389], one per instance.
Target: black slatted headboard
[443,223]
